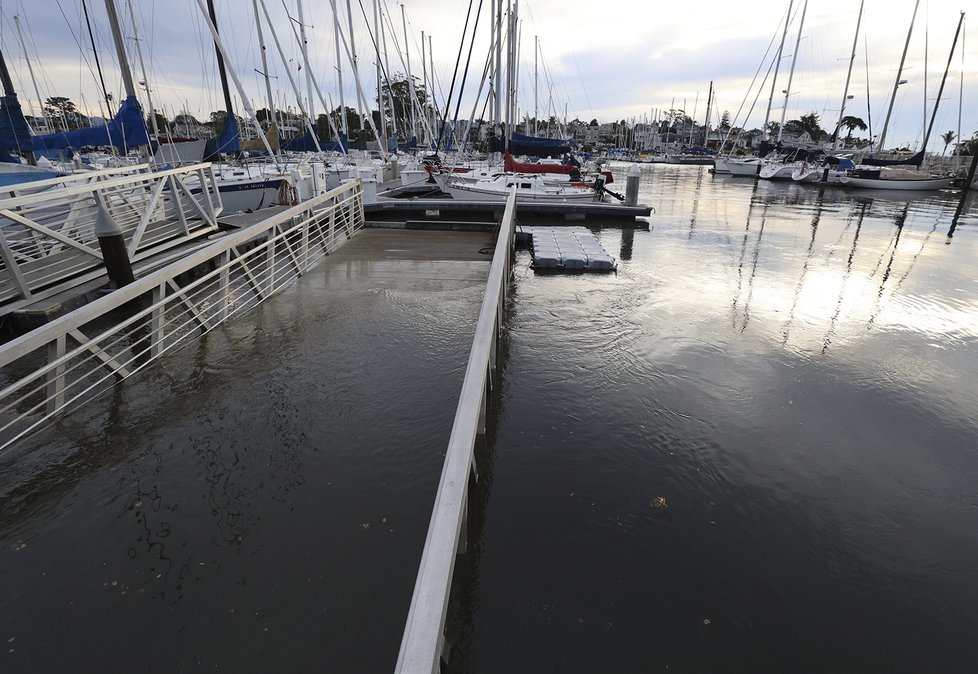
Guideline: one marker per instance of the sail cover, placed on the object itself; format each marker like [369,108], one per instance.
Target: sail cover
[15,136]
[226,141]
[532,145]
[124,131]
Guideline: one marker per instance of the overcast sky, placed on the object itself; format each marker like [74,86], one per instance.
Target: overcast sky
[619,59]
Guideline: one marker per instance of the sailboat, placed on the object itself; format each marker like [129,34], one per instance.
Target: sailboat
[882,174]
[751,166]
[830,169]
[15,138]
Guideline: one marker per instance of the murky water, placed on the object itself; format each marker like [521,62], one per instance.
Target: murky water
[754,448]
[259,502]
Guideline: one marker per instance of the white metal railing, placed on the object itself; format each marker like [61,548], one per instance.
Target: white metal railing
[77,356]
[423,641]
[47,228]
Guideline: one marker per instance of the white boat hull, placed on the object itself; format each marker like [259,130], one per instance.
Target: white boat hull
[472,193]
[817,175]
[776,172]
[738,167]
[890,184]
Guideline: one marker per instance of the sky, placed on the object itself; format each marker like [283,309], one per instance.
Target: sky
[623,59]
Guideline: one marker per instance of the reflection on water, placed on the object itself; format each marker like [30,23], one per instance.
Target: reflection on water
[753,449]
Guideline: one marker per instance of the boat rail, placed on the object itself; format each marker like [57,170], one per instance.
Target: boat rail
[73,358]
[423,641]
[47,227]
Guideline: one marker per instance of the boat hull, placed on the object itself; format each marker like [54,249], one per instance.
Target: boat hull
[904,185]
[738,167]
[469,193]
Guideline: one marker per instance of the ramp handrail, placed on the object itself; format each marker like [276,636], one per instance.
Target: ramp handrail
[423,639]
[47,228]
[43,374]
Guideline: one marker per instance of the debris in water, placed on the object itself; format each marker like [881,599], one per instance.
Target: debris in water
[659,502]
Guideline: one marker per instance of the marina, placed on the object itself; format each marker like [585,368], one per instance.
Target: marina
[325,349]
[679,468]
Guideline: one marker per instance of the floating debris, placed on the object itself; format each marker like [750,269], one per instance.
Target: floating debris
[659,502]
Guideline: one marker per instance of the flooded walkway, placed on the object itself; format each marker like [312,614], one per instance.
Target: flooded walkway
[258,501]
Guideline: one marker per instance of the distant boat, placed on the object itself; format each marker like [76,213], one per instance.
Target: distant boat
[828,172]
[528,188]
[746,166]
[892,178]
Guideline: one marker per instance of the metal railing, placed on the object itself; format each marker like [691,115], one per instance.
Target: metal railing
[423,641]
[47,228]
[81,354]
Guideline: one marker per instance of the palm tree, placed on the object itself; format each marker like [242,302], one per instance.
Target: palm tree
[947,138]
[852,123]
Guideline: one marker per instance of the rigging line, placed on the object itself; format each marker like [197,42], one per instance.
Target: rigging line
[451,89]
[98,65]
[81,50]
[373,41]
[424,85]
[736,118]
[475,105]
[468,60]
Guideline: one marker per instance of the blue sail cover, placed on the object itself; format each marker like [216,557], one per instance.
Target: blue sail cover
[15,135]
[227,141]
[533,146]
[124,131]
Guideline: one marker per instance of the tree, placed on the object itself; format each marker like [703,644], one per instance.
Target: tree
[352,119]
[161,122]
[947,137]
[851,123]
[593,122]
[219,119]
[725,121]
[806,124]
[184,123]
[398,90]
[64,110]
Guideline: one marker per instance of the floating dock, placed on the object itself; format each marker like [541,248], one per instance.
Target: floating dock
[552,214]
[568,249]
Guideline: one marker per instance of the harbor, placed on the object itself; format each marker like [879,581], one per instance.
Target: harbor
[331,343]
[678,469]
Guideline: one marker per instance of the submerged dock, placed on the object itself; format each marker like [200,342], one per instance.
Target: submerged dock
[348,333]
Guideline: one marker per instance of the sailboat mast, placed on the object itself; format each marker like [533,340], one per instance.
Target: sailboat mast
[212,25]
[777,66]
[142,67]
[497,82]
[709,101]
[98,65]
[30,70]
[845,92]
[414,96]
[344,124]
[220,61]
[264,65]
[791,73]
[380,81]
[304,45]
[294,84]
[896,82]
[536,109]
[940,91]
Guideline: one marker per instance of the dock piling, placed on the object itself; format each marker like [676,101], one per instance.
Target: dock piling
[631,186]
